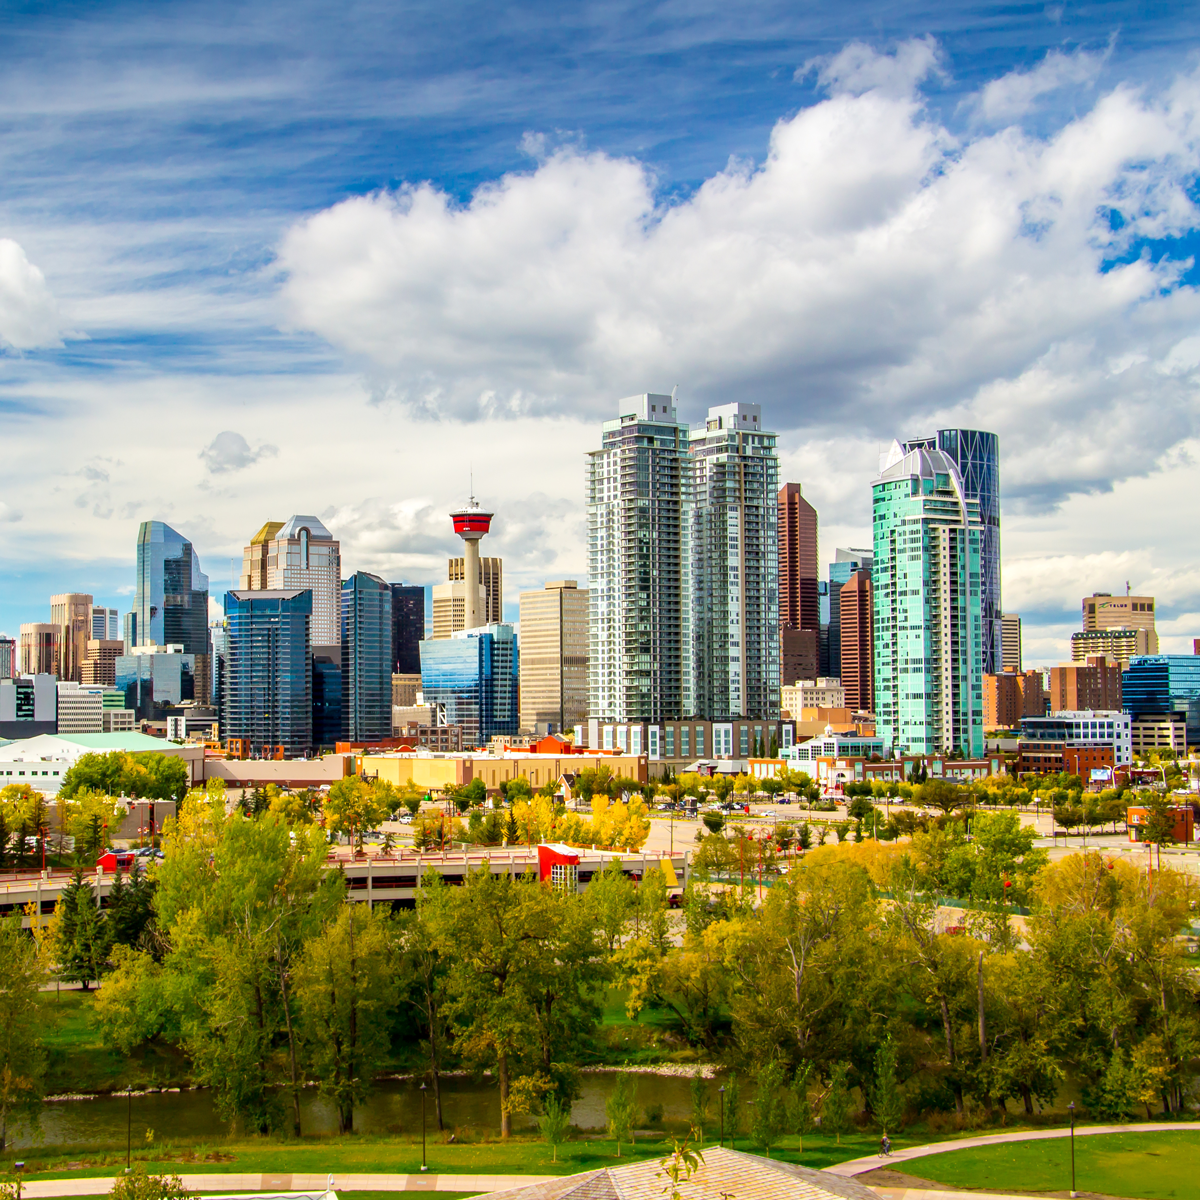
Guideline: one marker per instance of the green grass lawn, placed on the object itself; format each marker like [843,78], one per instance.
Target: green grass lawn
[1157,1166]
[78,1060]
[367,1154]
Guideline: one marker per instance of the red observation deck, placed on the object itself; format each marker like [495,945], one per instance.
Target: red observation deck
[471,522]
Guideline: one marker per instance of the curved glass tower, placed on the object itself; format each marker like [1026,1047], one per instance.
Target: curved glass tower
[977,456]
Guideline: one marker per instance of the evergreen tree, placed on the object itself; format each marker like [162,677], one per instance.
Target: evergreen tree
[887,1100]
[80,933]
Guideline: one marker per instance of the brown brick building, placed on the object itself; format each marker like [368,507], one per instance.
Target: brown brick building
[799,606]
[858,644]
[1093,685]
[1008,697]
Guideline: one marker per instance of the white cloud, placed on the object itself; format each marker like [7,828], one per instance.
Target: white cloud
[872,276]
[229,451]
[8,513]
[29,316]
[858,68]
[1017,93]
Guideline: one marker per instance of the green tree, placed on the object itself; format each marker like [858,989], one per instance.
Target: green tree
[610,899]
[941,794]
[554,1122]
[621,1109]
[79,933]
[835,1108]
[1158,829]
[354,806]
[887,1100]
[769,1110]
[700,1102]
[22,1024]
[797,1102]
[714,822]
[733,1108]
[344,995]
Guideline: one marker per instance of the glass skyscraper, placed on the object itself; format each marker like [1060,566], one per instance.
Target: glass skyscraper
[977,456]
[1164,683]
[366,658]
[170,605]
[474,675]
[927,606]
[268,698]
[154,682]
[408,627]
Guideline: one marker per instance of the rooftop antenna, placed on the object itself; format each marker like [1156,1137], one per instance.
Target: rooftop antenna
[1127,587]
[675,394]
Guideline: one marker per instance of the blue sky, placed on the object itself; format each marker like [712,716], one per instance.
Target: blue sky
[213,235]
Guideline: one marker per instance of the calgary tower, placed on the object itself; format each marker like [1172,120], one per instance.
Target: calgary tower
[471,523]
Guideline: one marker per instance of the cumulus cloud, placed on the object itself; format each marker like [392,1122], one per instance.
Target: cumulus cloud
[229,451]
[873,272]
[29,316]
[1015,94]
[858,68]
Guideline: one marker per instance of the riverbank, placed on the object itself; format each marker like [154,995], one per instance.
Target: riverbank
[80,1064]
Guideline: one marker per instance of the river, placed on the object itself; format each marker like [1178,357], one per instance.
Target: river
[394,1107]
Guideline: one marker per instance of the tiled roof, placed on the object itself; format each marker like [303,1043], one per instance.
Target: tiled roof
[722,1175]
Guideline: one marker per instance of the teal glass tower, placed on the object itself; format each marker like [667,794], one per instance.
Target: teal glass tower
[928,619]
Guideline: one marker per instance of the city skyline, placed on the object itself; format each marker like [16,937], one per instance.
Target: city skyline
[203,322]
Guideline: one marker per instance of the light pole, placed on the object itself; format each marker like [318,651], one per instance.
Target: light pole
[424,1167]
[128,1127]
[1071,1110]
[721,1090]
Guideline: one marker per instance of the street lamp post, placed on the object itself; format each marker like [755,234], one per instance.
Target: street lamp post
[128,1127]
[721,1090]
[1071,1110]
[424,1166]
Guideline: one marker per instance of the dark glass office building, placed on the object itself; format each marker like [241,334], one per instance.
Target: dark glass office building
[268,697]
[408,627]
[170,606]
[977,456]
[155,683]
[475,675]
[1163,683]
[366,658]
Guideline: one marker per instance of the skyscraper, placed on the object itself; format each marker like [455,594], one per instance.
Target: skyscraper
[554,657]
[366,658]
[72,613]
[268,700]
[300,553]
[846,561]
[1102,611]
[408,627]
[928,605]
[8,658]
[977,456]
[1011,625]
[857,645]
[41,649]
[639,617]
[799,587]
[474,676]
[105,624]
[171,599]
[734,571]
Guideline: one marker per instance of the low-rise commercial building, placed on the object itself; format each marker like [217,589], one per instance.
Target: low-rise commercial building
[43,760]
[812,693]
[1160,733]
[28,706]
[1075,742]
[436,771]
[678,744]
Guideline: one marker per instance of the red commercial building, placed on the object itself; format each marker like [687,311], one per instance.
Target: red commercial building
[799,605]
[858,643]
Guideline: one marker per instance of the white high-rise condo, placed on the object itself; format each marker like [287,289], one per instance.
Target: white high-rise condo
[637,559]
[733,512]
[929,636]
[682,565]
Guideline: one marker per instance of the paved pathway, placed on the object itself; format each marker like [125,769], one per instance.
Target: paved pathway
[315,1185]
[860,1166]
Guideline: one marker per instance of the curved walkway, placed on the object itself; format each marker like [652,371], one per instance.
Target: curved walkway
[314,1185]
[894,1161]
